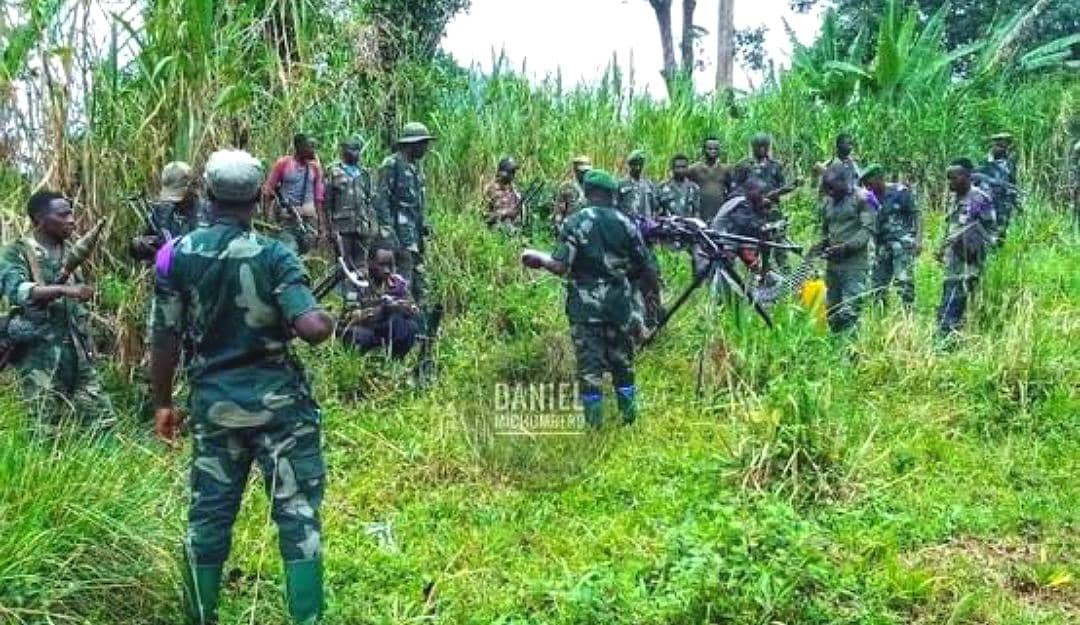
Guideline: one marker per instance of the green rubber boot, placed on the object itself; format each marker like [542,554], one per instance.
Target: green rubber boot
[626,396]
[201,587]
[593,404]
[304,590]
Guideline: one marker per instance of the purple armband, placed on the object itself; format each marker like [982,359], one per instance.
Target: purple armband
[164,257]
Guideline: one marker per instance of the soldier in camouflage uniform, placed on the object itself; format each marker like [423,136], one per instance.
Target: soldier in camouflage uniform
[571,195]
[601,252]
[896,235]
[971,224]
[241,297]
[638,199]
[761,166]
[177,211]
[49,322]
[1003,187]
[401,204]
[712,177]
[847,220]
[502,200]
[296,190]
[384,315]
[679,195]
[350,204]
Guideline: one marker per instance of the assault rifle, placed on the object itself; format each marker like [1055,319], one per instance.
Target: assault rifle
[718,247]
[292,208]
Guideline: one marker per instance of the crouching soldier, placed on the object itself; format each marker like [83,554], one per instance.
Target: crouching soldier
[384,315]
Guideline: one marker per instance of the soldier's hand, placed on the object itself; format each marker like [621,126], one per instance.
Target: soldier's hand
[167,423]
[80,292]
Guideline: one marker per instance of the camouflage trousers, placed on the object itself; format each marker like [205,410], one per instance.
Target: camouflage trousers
[287,449]
[648,285]
[845,288]
[601,348]
[410,265]
[299,235]
[60,385]
[894,263]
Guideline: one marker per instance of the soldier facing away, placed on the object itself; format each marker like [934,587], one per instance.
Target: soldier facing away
[637,199]
[296,191]
[177,211]
[600,252]
[713,178]
[502,200]
[679,195]
[401,204]
[48,324]
[847,223]
[971,224]
[241,297]
[350,204]
[897,235]
[571,194]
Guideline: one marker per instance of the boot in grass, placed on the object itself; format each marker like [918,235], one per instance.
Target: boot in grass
[201,587]
[304,590]
[627,398]
[593,403]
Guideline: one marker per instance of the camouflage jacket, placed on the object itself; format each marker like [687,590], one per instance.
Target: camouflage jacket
[897,215]
[849,166]
[400,202]
[848,223]
[498,198]
[604,251]
[768,171]
[350,202]
[370,307]
[234,295]
[680,198]
[569,198]
[975,205]
[1007,167]
[64,320]
[637,198]
[714,181]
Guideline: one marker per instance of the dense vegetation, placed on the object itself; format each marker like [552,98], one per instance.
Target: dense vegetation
[775,477]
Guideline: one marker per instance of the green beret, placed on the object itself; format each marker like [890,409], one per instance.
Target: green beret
[635,156]
[601,180]
[871,171]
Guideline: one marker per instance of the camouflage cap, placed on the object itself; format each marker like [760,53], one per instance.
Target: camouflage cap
[871,171]
[1002,136]
[582,162]
[415,132]
[636,156]
[355,141]
[233,175]
[600,179]
[175,181]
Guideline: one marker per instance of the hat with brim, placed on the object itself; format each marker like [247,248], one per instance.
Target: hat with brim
[600,179]
[175,181]
[871,171]
[234,175]
[1002,136]
[415,132]
[637,156]
[354,141]
[582,163]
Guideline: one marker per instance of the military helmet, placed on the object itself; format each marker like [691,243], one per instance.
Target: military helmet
[415,132]
[600,179]
[233,175]
[1002,136]
[175,181]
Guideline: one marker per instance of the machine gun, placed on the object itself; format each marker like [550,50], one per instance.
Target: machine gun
[718,247]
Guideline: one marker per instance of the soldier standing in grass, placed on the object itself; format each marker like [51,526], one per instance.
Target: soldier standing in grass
[971,224]
[637,199]
[241,297]
[177,211]
[571,195]
[847,220]
[601,252]
[350,204]
[1002,162]
[49,322]
[896,235]
[679,195]
[843,160]
[761,166]
[712,177]
[296,191]
[502,200]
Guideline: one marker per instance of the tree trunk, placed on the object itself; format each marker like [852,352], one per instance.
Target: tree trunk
[688,8]
[725,46]
[662,8]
